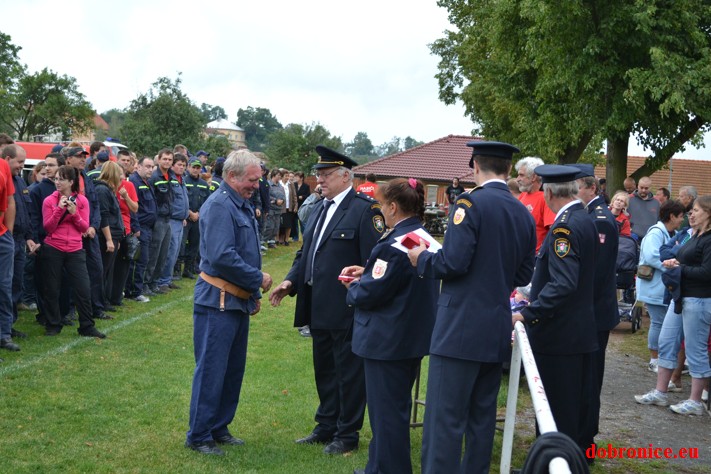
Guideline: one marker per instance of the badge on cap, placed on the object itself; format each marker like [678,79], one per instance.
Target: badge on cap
[379,224]
[562,247]
[379,269]
[459,216]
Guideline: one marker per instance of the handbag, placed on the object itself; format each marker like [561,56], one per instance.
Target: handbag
[645,272]
[133,247]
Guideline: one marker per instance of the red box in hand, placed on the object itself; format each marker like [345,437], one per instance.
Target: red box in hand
[412,240]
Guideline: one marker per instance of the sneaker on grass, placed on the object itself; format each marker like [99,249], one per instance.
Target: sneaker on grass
[688,407]
[653,397]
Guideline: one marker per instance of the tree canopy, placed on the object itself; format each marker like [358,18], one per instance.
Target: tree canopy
[293,147]
[559,78]
[258,124]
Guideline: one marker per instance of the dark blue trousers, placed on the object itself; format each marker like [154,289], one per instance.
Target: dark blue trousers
[95,268]
[220,339]
[388,388]
[7,252]
[461,403]
[18,275]
[137,269]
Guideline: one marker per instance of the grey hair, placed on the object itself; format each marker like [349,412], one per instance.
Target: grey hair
[343,171]
[568,189]
[238,161]
[530,163]
[690,191]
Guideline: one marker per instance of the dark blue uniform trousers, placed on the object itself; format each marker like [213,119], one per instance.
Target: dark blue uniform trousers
[18,275]
[461,402]
[137,268]
[591,422]
[95,268]
[220,339]
[7,252]
[388,389]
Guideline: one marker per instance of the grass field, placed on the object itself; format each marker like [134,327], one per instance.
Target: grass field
[72,404]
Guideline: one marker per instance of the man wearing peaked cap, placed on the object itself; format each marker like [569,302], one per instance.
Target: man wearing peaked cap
[489,250]
[560,320]
[339,233]
[604,288]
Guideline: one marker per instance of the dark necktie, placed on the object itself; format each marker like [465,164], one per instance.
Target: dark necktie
[314,241]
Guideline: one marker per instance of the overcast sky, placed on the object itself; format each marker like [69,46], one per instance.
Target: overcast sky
[351,66]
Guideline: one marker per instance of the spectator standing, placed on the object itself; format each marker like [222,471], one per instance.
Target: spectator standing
[643,209]
[453,191]
[370,186]
[532,196]
[161,235]
[178,220]
[146,216]
[7,252]
[618,208]
[687,196]
[264,198]
[288,217]
[489,250]
[277,201]
[198,192]
[662,195]
[100,160]
[29,289]
[128,203]
[303,191]
[629,184]
[112,229]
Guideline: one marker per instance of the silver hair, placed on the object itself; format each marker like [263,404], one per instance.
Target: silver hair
[530,163]
[568,189]
[690,191]
[343,171]
[238,161]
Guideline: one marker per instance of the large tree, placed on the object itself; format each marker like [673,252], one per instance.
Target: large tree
[293,147]
[212,112]
[44,103]
[558,78]
[258,124]
[361,148]
[10,73]
[163,117]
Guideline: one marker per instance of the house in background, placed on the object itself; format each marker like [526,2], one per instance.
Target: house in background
[437,162]
[235,135]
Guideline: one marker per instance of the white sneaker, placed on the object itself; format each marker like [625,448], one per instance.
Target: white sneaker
[673,388]
[653,366]
[653,397]
[688,407]
[705,395]
[142,299]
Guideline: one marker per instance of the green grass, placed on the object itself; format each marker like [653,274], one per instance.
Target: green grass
[71,404]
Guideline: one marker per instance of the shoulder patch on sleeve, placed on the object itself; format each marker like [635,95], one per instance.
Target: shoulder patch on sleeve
[459,215]
[379,223]
[561,230]
[562,247]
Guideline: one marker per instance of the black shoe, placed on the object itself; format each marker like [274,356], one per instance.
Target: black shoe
[9,345]
[92,332]
[67,321]
[228,439]
[340,447]
[173,286]
[314,438]
[52,331]
[40,319]
[109,308]
[158,290]
[102,315]
[18,334]
[206,447]
[188,275]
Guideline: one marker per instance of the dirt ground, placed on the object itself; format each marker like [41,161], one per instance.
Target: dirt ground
[624,420]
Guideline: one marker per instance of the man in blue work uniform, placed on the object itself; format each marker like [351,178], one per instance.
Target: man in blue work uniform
[198,192]
[560,320]
[178,220]
[488,251]
[160,240]
[605,288]
[146,216]
[226,294]
[341,233]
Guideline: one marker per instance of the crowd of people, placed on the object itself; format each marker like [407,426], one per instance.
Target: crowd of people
[540,249]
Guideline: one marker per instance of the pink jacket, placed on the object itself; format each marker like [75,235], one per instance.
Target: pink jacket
[64,236]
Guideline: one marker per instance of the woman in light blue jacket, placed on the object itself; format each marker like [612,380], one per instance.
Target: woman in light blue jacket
[651,292]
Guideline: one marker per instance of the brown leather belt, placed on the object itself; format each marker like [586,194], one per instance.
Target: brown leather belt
[225,287]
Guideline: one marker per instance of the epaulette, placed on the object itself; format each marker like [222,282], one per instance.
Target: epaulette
[465,199]
[564,216]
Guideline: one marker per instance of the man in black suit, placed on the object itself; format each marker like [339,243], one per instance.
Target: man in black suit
[488,251]
[560,320]
[341,233]
[604,288]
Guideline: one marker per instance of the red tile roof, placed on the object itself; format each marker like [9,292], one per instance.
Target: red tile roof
[439,160]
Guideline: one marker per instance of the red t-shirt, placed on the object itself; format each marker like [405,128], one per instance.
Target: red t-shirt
[125,211]
[544,217]
[7,189]
[623,223]
[367,188]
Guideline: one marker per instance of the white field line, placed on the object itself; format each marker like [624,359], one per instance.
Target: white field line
[15,367]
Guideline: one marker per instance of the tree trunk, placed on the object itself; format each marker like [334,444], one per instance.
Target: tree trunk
[616,164]
[573,152]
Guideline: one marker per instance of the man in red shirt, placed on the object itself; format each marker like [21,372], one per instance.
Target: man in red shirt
[369,186]
[529,184]
[7,255]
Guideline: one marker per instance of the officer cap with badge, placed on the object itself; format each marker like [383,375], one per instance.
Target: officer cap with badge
[501,150]
[559,174]
[584,170]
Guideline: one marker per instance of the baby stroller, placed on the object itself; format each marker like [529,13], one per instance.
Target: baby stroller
[627,258]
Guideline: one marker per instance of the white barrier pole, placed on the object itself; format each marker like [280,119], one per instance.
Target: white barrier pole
[511,402]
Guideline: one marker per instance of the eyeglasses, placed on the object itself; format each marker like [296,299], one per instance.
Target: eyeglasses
[323,175]
[56,179]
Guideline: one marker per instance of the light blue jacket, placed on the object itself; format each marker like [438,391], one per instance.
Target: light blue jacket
[652,291]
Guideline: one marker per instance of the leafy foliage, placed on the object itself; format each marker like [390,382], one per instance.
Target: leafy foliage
[293,146]
[258,124]
[361,148]
[212,112]
[163,117]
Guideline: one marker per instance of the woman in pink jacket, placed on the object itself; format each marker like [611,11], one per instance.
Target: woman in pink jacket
[65,216]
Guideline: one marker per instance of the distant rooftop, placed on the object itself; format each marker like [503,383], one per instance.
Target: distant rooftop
[223,124]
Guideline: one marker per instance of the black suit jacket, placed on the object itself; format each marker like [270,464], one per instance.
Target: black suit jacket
[605,287]
[348,239]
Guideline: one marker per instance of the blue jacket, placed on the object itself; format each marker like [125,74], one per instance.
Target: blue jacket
[394,309]
[38,193]
[652,291]
[198,191]
[147,210]
[23,202]
[163,192]
[561,319]
[231,251]
[93,197]
[488,251]
[179,207]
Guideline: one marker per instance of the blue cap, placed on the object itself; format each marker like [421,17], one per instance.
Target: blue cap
[556,173]
[102,155]
[328,158]
[220,159]
[501,150]
[202,153]
[584,170]
[57,148]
